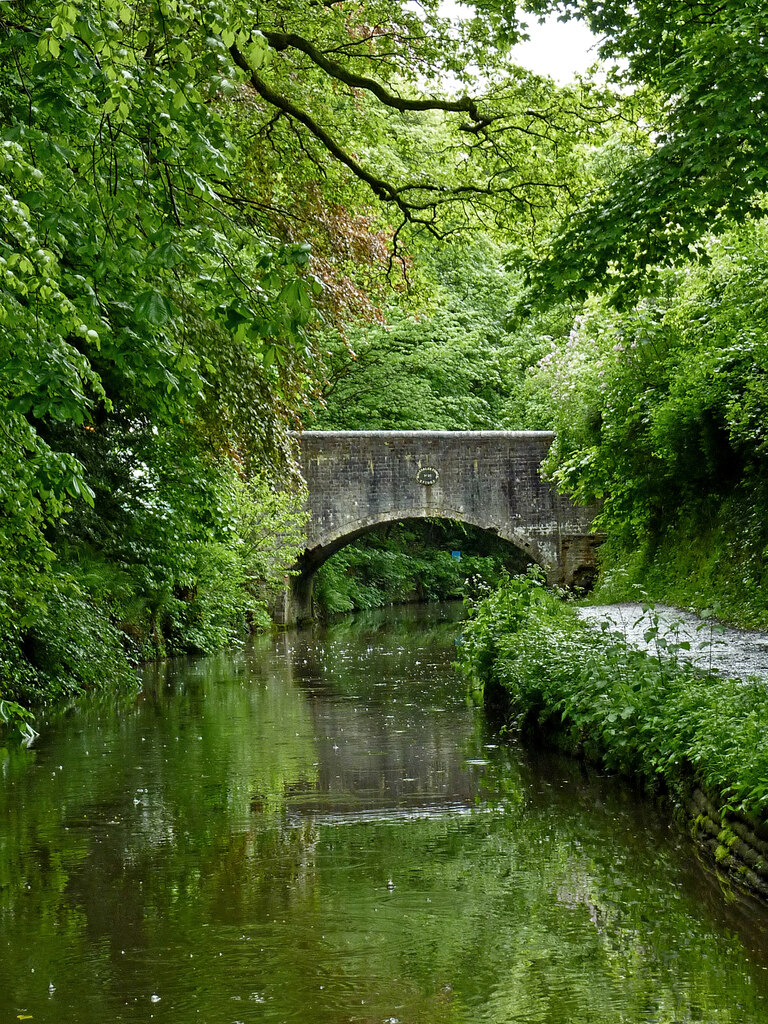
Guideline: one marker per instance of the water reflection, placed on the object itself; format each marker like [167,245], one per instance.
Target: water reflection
[322,829]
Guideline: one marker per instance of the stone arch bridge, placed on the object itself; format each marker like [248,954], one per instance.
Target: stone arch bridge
[358,480]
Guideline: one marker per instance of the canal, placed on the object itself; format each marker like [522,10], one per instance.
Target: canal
[320,829]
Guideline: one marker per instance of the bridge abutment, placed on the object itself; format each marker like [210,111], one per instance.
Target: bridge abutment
[301,598]
[293,606]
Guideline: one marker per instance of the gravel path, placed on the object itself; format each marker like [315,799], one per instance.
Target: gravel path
[731,652]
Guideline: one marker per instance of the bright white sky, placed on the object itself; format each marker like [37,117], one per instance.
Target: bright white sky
[558,49]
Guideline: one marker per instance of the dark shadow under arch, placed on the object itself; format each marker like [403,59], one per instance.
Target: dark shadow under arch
[313,558]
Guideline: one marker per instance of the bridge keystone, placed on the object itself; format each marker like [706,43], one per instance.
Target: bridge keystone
[491,479]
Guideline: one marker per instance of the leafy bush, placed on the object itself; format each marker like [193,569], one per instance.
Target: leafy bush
[72,646]
[645,715]
[161,586]
[660,415]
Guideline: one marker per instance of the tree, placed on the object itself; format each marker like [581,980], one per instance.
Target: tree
[700,68]
[165,168]
[153,342]
[345,82]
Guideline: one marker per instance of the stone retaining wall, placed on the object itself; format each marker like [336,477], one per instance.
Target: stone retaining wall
[733,843]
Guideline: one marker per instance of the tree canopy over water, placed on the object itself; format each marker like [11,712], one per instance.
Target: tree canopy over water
[219,221]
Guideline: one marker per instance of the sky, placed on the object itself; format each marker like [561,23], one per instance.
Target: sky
[558,49]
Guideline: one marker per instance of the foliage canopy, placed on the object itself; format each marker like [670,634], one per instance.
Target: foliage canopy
[700,67]
[204,206]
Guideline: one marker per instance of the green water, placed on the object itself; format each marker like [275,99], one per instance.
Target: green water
[321,830]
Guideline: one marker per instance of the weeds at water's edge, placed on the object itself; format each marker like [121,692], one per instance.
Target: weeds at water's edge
[647,716]
[16,722]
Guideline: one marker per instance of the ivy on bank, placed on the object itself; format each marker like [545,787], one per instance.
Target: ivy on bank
[646,716]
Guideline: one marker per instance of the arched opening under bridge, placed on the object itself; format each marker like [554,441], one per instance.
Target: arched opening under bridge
[403,561]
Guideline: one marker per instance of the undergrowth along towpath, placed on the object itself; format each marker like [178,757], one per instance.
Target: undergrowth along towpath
[645,714]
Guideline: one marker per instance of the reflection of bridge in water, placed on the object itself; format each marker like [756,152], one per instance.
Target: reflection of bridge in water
[320,816]
[381,754]
[358,480]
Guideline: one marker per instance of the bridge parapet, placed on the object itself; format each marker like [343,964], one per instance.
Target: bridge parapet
[489,478]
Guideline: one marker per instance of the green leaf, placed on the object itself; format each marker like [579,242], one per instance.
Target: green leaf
[153,306]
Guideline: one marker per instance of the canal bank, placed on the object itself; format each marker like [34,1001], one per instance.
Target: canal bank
[672,725]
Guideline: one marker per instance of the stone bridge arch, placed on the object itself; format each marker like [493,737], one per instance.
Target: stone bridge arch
[491,479]
[314,557]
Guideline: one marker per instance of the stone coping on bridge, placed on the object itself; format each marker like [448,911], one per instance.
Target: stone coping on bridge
[427,433]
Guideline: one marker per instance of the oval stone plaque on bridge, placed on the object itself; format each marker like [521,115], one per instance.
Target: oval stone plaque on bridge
[427,476]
